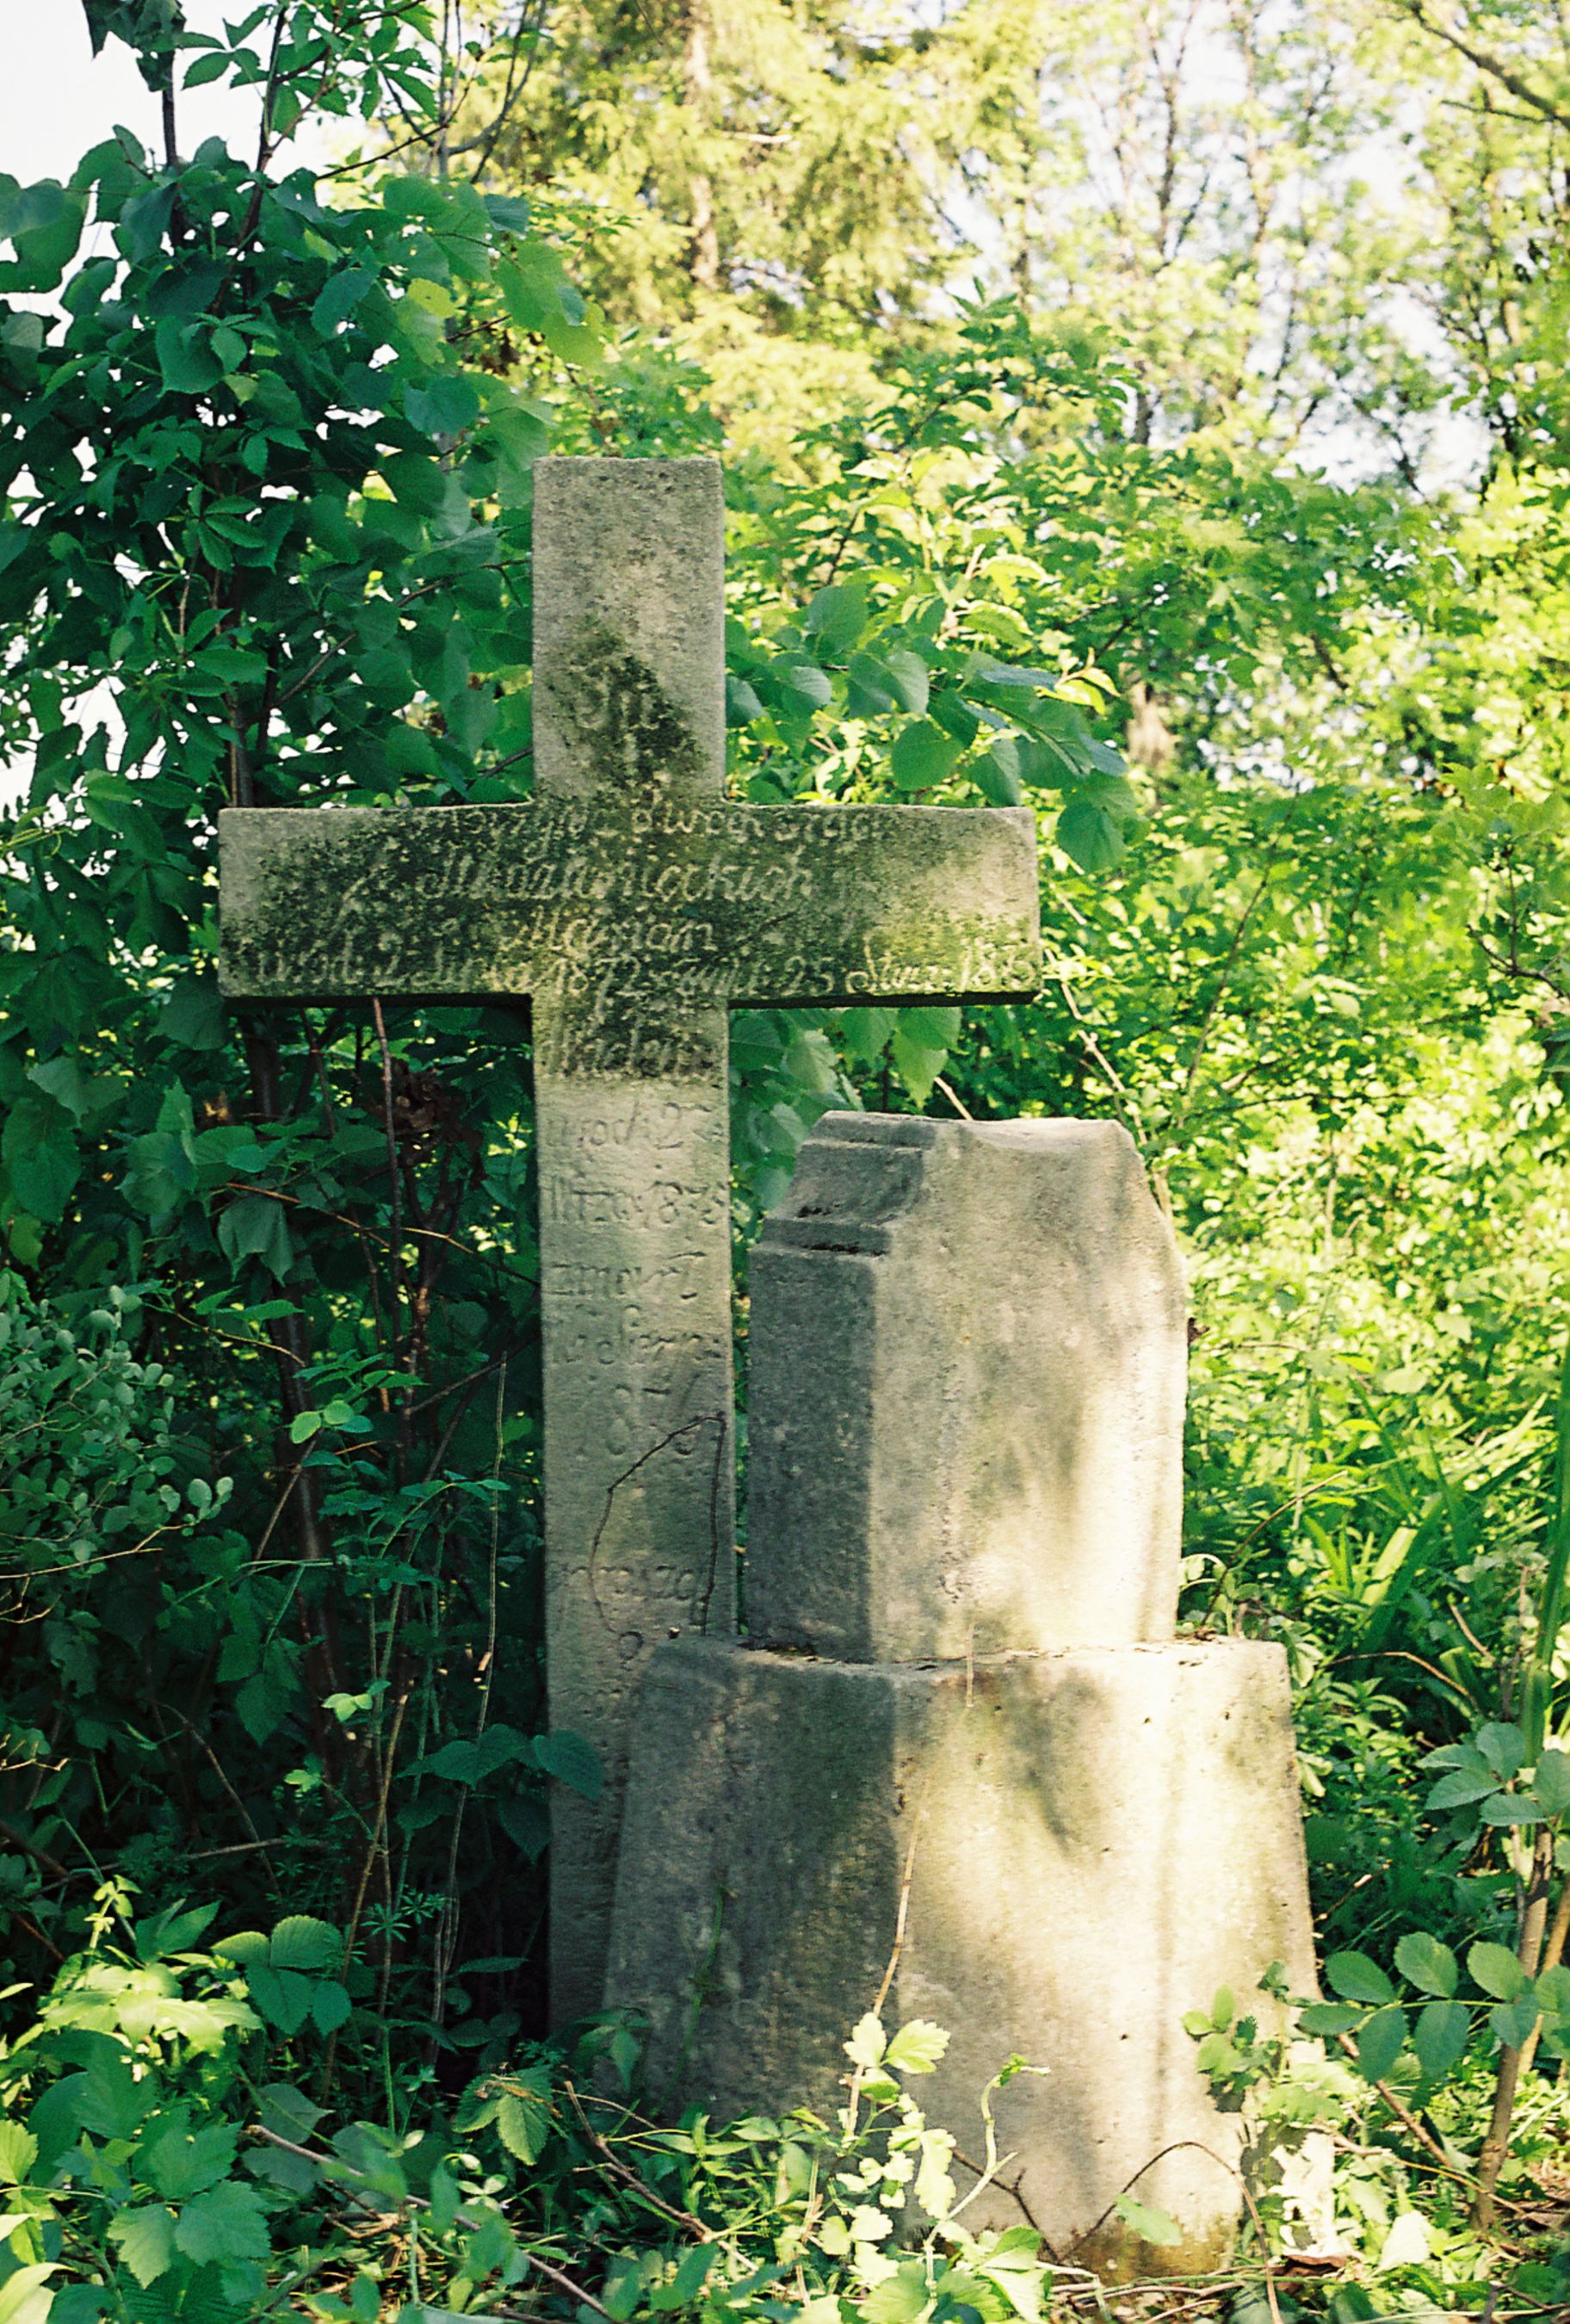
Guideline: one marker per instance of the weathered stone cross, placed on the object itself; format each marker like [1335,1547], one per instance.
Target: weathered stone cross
[630,905]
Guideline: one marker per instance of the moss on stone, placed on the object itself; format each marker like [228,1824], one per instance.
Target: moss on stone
[619,715]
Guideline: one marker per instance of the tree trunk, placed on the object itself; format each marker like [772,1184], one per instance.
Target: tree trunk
[703,261]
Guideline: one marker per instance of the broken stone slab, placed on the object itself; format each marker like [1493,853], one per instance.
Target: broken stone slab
[1008,1302]
[1096,1840]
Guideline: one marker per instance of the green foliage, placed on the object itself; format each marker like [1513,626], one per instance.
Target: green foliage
[296,568]
[156,2133]
[1293,747]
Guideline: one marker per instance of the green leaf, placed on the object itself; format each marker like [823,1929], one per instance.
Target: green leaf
[1463,1788]
[933,1029]
[1428,1964]
[25,2297]
[1357,1979]
[524,2117]
[330,2007]
[838,616]
[146,2236]
[256,1226]
[41,1155]
[996,773]
[149,27]
[301,1943]
[572,1760]
[900,2298]
[866,1032]
[870,691]
[1551,1782]
[916,1065]
[1514,2020]
[1146,2220]
[1327,2017]
[210,67]
[1496,1969]
[162,1176]
[224,2226]
[44,1177]
[287,2111]
[804,679]
[1380,2043]
[1440,2038]
[1089,836]
[187,359]
[193,1016]
[511,212]
[909,674]
[62,1079]
[18,2152]
[923,755]
[181,2161]
[30,210]
[110,2102]
[865,2046]
[527,1825]
[282,1995]
[338,298]
[1504,1747]
[1512,1808]
[444,406]
[917,2048]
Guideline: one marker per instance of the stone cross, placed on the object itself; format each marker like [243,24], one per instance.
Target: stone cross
[631,904]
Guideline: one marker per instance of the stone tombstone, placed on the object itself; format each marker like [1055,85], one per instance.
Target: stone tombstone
[630,905]
[1023,1486]
[961,1689]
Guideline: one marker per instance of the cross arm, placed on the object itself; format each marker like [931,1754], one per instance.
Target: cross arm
[617,905]
[858,904]
[416,903]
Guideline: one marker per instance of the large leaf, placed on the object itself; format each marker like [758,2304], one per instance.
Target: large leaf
[1089,835]
[145,2236]
[181,2161]
[572,1760]
[923,755]
[1497,1970]
[226,2225]
[1355,1978]
[41,1155]
[1440,2037]
[149,27]
[1428,1964]
[1380,2043]
[301,1943]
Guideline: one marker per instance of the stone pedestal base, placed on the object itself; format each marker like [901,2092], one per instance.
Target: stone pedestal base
[1094,1841]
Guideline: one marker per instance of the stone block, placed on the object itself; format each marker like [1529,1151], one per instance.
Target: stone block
[629,628]
[1094,1841]
[969,1356]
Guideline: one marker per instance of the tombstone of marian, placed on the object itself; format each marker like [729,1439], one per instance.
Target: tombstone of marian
[961,1754]
[630,905]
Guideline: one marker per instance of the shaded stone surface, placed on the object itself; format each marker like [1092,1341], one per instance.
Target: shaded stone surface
[967,1348]
[1097,1839]
[631,906]
[968,1358]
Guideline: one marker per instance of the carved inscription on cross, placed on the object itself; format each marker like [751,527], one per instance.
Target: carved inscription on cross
[632,906]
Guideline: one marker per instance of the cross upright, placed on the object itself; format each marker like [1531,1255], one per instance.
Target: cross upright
[631,904]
